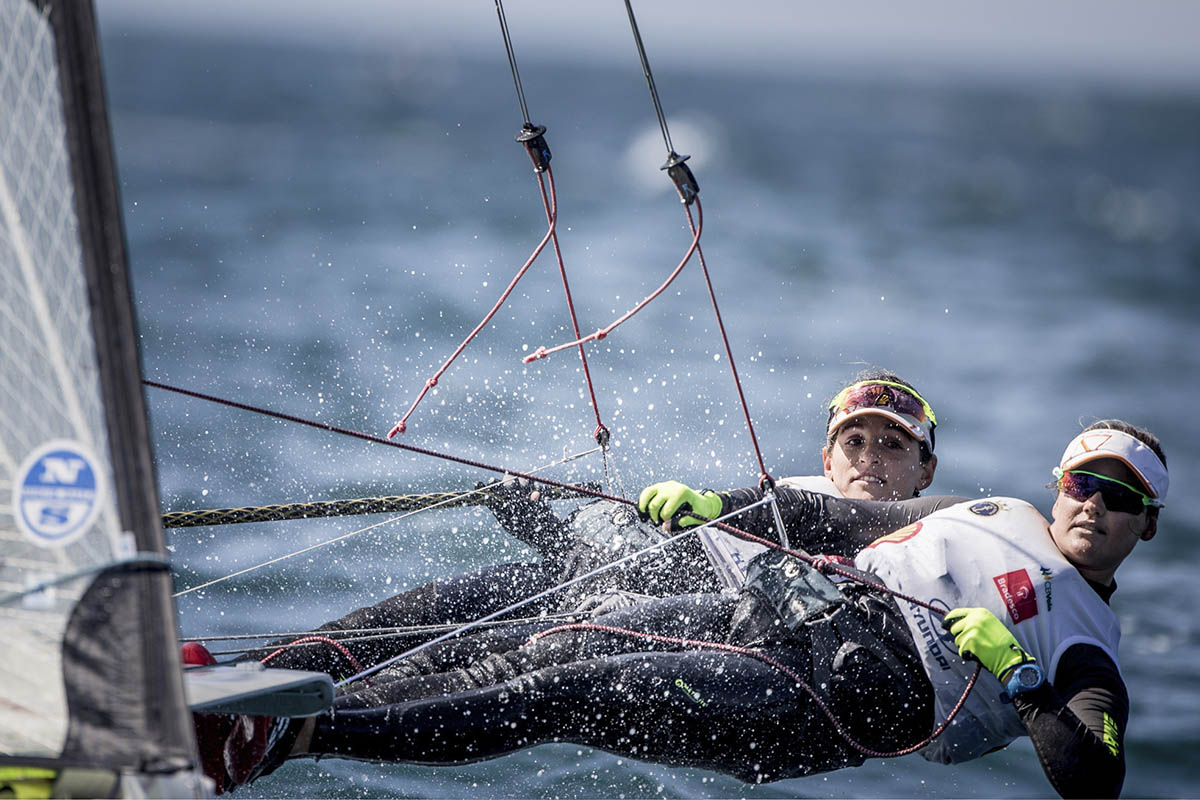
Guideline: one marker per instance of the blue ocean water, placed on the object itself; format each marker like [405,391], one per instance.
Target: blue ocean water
[314,230]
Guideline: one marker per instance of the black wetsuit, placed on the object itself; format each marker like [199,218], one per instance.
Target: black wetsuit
[722,709]
[591,536]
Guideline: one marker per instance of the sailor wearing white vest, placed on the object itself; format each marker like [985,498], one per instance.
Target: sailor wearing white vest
[1025,598]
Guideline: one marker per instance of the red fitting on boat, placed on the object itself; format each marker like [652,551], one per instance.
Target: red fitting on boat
[399,427]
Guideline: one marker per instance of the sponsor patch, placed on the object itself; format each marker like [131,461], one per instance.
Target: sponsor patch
[57,493]
[1016,589]
[895,537]
[984,508]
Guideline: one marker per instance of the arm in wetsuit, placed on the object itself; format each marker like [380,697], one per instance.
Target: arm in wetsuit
[1078,725]
[822,523]
[528,519]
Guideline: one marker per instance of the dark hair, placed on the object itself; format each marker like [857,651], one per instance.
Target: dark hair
[877,374]
[1141,434]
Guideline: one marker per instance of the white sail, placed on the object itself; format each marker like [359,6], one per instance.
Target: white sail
[89,674]
[49,383]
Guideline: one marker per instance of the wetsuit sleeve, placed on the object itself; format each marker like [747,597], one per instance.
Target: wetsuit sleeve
[825,524]
[1078,725]
[531,521]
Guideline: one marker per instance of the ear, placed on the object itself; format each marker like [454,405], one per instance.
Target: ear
[826,462]
[1151,529]
[927,470]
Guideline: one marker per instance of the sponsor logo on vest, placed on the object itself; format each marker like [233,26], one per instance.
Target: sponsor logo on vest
[1047,586]
[1016,589]
[928,626]
[895,537]
[984,508]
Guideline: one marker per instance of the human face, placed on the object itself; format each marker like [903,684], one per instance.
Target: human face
[873,458]
[1093,538]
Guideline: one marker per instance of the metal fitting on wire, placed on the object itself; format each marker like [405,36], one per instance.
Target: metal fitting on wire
[681,174]
[532,137]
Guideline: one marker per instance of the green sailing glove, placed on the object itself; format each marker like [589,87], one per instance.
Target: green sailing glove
[661,501]
[980,635]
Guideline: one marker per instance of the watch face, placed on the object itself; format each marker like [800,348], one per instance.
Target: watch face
[1029,677]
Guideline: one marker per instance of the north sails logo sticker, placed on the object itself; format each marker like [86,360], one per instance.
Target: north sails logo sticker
[1017,592]
[57,494]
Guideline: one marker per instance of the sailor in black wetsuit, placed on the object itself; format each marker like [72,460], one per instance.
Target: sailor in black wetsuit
[591,536]
[740,706]
[879,446]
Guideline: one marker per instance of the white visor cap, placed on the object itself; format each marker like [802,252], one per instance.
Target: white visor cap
[1129,450]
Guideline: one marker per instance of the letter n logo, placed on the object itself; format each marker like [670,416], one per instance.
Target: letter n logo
[1017,592]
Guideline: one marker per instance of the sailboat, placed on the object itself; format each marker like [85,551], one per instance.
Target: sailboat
[93,699]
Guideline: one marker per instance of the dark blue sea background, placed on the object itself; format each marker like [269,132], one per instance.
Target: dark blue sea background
[314,228]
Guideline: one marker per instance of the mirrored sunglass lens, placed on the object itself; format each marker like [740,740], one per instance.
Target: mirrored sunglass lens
[1116,497]
[867,396]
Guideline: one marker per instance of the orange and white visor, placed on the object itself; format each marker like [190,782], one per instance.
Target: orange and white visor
[1129,450]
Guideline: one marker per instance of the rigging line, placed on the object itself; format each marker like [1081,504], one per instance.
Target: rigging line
[821,564]
[542,352]
[401,426]
[367,437]
[637,38]
[140,562]
[601,433]
[512,63]
[539,152]
[763,475]
[336,539]
[521,603]
[343,508]
[687,189]
[356,634]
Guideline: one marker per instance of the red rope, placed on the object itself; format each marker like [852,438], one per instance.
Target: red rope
[552,217]
[543,351]
[728,350]
[768,660]
[336,645]
[601,432]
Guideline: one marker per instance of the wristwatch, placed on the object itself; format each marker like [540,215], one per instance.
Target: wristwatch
[1024,678]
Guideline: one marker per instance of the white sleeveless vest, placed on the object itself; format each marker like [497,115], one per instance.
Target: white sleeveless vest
[998,554]
[729,555]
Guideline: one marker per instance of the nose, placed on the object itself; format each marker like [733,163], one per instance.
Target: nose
[1097,502]
[871,453]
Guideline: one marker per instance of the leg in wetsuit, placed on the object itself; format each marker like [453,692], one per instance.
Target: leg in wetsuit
[726,711]
[458,599]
